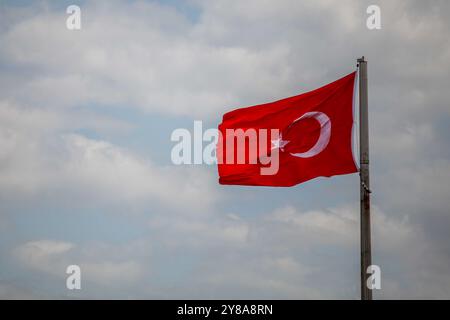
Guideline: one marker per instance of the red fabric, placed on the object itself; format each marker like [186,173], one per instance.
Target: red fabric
[335,100]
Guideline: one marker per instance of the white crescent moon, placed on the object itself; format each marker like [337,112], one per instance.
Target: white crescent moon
[325,133]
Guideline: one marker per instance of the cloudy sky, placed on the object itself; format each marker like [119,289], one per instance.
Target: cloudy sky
[85,170]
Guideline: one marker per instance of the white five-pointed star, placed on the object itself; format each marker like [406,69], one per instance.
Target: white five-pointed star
[279,143]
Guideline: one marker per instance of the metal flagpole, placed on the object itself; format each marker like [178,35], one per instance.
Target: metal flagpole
[366,254]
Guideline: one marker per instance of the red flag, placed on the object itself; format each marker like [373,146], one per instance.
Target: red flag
[289,141]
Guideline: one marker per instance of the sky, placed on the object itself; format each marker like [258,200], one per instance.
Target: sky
[86,176]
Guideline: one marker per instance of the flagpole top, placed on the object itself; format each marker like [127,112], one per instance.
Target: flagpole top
[359,60]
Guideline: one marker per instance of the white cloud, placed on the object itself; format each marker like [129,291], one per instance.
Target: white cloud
[334,226]
[297,254]
[158,67]
[53,257]
[111,170]
[12,292]
[401,248]
[110,273]
[41,254]
[36,156]
[200,231]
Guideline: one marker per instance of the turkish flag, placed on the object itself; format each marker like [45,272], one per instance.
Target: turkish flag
[297,138]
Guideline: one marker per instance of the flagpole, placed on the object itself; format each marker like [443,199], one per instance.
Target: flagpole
[366,254]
